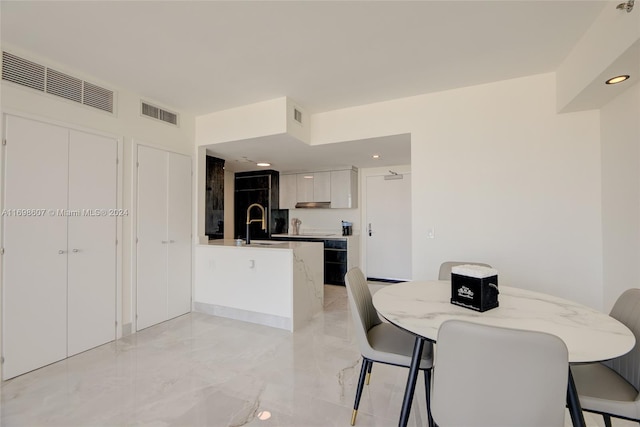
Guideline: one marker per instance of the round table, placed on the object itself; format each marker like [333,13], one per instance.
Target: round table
[421,307]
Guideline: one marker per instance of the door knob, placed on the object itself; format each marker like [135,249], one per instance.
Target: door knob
[370,229]
[76,250]
[60,252]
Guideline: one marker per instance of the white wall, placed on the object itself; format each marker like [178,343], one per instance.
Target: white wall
[300,131]
[127,124]
[509,182]
[620,135]
[249,121]
[500,177]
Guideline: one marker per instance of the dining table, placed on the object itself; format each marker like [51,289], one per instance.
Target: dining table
[420,307]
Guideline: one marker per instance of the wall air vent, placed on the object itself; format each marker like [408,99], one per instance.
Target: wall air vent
[22,72]
[97,97]
[63,85]
[159,113]
[297,115]
[35,76]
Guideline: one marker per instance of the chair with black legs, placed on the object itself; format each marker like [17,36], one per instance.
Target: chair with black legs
[611,388]
[379,341]
[489,376]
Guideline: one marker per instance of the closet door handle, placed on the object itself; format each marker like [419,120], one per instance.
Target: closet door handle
[164,242]
[75,250]
[60,252]
[172,241]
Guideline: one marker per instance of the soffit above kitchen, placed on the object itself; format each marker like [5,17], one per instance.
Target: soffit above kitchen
[287,154]
[206,56]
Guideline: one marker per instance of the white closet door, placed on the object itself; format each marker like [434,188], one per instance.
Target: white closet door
[91,241]
[34,327]
[179,221]
[153,239]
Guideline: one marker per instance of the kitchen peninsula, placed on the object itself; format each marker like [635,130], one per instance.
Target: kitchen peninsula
[278,284]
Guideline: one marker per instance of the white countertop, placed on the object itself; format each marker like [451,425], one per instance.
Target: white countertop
[258,244]
[332,236]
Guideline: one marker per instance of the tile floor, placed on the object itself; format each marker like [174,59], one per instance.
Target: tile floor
[199,370]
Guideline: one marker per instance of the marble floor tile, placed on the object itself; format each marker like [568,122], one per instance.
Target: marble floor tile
[200,370]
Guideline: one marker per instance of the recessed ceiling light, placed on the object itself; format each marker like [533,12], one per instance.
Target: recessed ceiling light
[263,164]
[617,79]
[376,156]
[264,415]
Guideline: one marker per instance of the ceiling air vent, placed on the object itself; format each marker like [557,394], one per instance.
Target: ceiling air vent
[22,72]
[35,76]
[159,113]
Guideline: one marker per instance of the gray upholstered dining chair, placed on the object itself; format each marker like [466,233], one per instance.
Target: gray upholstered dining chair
[611,388]
[379,341]
[487,376]
[445,268]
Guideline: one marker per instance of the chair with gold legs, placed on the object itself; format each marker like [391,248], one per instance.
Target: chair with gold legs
[611,388]
[380,342]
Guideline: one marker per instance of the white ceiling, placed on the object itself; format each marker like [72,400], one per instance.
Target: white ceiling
[205,56]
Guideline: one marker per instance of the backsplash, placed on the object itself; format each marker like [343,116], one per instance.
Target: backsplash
[314,220]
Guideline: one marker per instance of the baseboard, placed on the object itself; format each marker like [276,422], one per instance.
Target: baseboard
[126,329]
[244,315]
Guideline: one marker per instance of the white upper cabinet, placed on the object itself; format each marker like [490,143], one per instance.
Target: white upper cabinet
[314,187]
[344,189]
[338,187]
[322,186]
[288,191]
[304,186]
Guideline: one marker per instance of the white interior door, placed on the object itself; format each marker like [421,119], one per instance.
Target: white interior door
[91,241]
[179,220]
[153,240]
[388,227]
[34,326]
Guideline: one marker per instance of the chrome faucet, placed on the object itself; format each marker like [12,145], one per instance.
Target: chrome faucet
[249,220]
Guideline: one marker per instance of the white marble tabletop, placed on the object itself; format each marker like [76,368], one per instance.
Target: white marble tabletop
[590,335]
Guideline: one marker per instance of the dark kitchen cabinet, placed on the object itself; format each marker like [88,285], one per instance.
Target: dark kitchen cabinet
[258,187]
[214,198]
[335,261]
[335,257]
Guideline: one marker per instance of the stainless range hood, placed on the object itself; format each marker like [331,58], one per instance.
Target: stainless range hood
[313,205]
